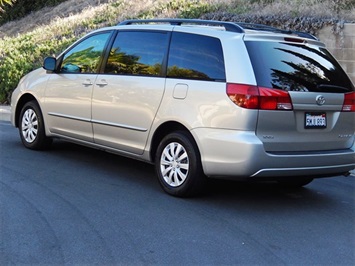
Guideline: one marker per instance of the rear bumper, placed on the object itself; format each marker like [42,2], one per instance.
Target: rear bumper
[241,155]
[321,171]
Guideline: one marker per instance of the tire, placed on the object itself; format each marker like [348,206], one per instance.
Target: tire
[31,127]
[295,182]
[178,165]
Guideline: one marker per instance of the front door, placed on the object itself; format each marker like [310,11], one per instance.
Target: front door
[69,91]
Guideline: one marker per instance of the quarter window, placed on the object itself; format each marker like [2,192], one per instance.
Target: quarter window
[137,53]
[85,56]
[194,56]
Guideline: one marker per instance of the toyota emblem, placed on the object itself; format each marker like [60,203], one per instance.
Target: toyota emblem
[320,100]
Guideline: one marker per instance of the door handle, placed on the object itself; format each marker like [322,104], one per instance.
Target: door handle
[87,82]
[102,83]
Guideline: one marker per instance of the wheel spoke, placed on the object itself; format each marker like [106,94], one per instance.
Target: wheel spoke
[165,162]
[182,157]
[166,170]
[180,176]
[34,131]
[29,115]
[184,166]
[169,178]
[24,127]
[177,180]
[32,136]
[26,116]
[167,153]
[177,151]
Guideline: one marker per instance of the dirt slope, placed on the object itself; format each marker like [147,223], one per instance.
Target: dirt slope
[45,15]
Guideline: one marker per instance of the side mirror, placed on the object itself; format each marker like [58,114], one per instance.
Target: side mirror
[50,64]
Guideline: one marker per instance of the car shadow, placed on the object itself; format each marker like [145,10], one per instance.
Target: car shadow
[228,193]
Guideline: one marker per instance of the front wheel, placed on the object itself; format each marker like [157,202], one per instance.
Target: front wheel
[178,165]
[31,127]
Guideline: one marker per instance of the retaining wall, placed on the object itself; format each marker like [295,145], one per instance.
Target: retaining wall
[342,46]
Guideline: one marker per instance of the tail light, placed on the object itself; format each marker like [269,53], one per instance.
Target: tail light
[349,102]
[254,97]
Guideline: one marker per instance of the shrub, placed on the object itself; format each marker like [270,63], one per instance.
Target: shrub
[20,55]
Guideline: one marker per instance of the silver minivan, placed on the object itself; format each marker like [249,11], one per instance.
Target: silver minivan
[199,99]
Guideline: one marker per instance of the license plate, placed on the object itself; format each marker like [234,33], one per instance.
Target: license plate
[315,120]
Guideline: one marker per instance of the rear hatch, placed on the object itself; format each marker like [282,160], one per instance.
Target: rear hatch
[315,110]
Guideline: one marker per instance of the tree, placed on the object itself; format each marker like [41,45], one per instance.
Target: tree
[3,2]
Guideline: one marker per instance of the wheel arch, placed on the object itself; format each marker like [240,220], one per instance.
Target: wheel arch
[163,130]
[25,98]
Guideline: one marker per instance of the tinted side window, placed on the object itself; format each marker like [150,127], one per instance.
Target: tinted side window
[194,56]
[296,67]
[137,53]
[85,56]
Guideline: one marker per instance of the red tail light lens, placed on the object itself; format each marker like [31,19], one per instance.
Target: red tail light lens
[271,99]
[254,97]
[349,102]
[245,96]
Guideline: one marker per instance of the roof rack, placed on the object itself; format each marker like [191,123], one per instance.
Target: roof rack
[261,27]
[229,26]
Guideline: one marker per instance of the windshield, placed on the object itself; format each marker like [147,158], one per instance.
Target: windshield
[297,67]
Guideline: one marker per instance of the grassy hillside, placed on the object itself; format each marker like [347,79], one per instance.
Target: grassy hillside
[24,43]
[17,9]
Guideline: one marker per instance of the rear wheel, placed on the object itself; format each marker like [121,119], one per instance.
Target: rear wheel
[178,165]
[295,182]
[31,127]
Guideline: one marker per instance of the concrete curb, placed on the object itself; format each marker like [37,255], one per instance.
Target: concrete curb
[5,112]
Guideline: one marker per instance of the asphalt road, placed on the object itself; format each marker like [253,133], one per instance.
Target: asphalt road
[73,205]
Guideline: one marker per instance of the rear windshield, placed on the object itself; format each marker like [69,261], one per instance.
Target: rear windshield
[297,67]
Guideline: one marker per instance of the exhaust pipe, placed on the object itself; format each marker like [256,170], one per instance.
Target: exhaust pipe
[351,172]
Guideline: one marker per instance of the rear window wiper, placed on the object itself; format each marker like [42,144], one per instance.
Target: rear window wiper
[333,88]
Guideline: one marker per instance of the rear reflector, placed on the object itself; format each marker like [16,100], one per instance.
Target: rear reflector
[254,97]
[349,102]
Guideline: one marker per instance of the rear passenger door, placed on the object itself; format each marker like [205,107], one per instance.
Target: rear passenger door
[127,95]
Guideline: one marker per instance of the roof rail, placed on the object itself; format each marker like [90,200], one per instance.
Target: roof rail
[261,27]
[229,26]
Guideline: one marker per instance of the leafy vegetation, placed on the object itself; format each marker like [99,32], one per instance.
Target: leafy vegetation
[19,8]
[3,2]
[23,52]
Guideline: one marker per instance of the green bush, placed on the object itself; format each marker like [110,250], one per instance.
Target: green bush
[19,56]
[16,60]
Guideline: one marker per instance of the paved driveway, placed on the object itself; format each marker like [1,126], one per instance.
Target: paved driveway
[78,206]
